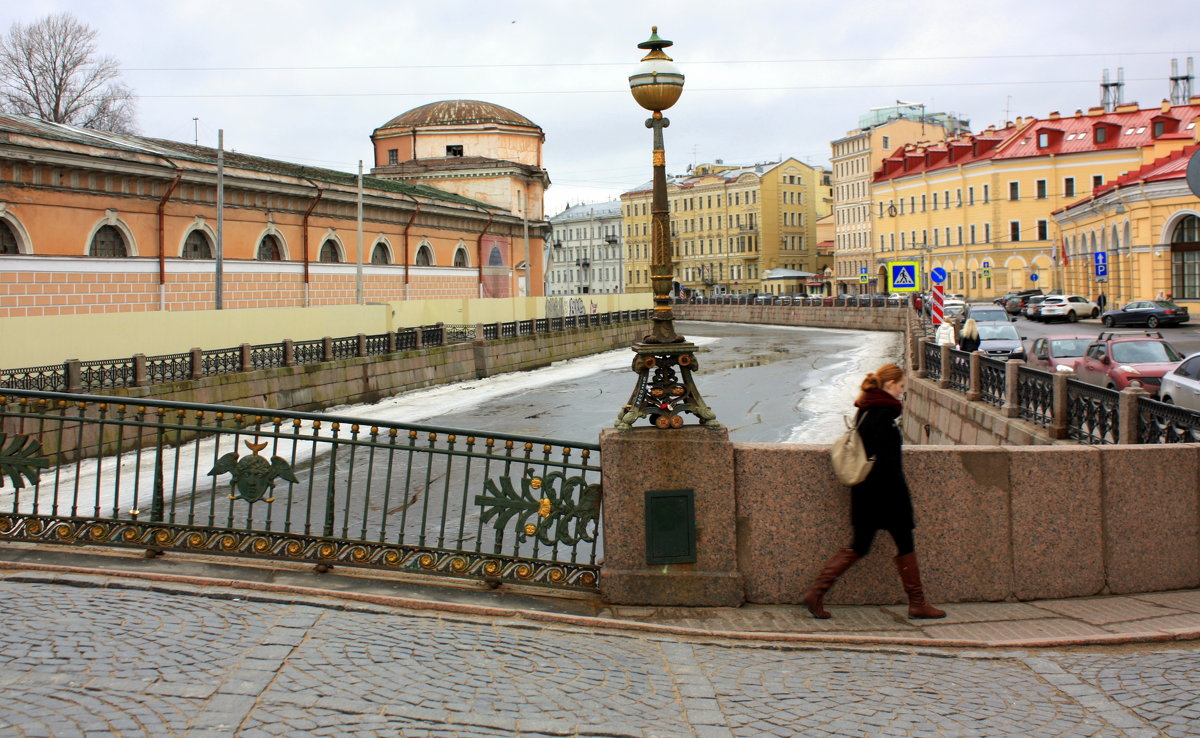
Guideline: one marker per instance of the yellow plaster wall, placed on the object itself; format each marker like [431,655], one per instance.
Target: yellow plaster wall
[52,339]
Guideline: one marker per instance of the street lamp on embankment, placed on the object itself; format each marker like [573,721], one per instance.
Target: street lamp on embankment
[664,361]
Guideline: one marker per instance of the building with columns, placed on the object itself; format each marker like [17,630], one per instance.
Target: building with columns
[100,222]
[983,206]
[585,254]
[732,226]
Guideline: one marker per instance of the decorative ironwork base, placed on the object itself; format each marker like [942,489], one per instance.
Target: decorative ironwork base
[665,388]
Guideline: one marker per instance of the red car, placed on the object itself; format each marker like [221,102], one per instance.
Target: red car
[1114,360]
[1050,352]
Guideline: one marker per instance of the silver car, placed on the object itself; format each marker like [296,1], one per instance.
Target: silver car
[1000,341]
[1181,385]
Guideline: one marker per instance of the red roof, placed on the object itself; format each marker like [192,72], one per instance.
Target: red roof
[1171,166]
[1128,128]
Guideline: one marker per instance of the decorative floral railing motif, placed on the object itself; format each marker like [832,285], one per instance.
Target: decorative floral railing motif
[221,361]
[933,360]
[308,352]
[960,370]
[345,348]
[1159,422]
[168,368]
[992,383]
[1035,396]
[1092,413]
[101,375]
[266,356]
[304,487]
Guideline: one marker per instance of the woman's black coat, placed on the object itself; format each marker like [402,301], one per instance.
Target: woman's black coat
[881,501]
[968,344]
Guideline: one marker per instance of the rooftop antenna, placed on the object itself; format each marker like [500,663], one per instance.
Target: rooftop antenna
[1008,103]
[1181,84]
[196,128]
[1111,92]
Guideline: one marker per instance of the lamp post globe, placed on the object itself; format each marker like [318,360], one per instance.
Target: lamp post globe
[656,83]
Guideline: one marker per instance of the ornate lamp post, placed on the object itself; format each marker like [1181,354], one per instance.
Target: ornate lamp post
[664,361]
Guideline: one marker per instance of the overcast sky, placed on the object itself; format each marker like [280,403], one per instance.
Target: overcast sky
[308,81]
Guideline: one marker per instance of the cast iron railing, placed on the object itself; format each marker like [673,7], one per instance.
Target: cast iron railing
[992,384]
[1159,422]
[107,374]
[933,360]
[852,301]
[960,370]
[332,490]
[1092,413]
[1035,395]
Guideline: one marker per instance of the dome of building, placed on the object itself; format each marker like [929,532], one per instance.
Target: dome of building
[458,112]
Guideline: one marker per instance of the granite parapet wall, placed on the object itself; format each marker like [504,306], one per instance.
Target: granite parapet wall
[993,523]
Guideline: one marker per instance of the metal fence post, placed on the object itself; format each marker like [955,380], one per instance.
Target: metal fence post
[1059,420]
[72,373]
[1012,370]
[289,352]
[197,363]
[327,348]
[945,379]
[247,362]
[1127,413]
[139,370]
[975,386]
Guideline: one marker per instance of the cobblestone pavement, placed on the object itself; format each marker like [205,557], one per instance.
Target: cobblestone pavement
[94,656]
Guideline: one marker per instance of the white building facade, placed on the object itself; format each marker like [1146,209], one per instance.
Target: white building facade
[585,250]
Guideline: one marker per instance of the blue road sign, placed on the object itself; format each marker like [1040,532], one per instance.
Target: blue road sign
[1033,277]
[938,275]
[1101,258]
[862,270]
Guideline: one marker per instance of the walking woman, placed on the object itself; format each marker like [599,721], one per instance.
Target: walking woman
[881,501]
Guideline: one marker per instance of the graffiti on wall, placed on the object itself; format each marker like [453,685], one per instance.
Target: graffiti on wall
[563,307]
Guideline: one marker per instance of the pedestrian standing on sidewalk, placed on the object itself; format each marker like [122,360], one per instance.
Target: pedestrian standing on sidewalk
[968,338]
[944,336]
[881,501]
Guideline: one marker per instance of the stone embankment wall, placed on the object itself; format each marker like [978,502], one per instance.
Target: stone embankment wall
[848,318]
[993,523]
[349,381]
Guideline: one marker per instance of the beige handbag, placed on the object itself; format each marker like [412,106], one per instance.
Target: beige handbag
[849,457]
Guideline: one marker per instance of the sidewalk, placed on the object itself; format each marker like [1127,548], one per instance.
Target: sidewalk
[1110,620]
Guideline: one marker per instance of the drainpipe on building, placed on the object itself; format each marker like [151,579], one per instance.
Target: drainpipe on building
[162,237]
[304,233]
[479,249]
[411,218]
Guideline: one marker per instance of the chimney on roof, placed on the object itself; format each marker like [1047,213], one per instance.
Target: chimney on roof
[1078,113]
[1166,106]
[1053,116]
[1098,110]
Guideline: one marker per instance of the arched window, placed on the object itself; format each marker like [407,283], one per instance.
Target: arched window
[1185,258]
[424,257]
[460,258]
[196,246]
[8,240]
[1187,230]
[108,243]
[329,253]
[268,249]
[381,254]
[495,258]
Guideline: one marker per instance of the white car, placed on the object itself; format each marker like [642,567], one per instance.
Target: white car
[1181,385]
[1068,307]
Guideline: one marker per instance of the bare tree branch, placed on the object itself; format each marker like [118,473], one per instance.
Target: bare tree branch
[50,70]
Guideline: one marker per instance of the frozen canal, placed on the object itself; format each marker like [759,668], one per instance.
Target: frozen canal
[766,383]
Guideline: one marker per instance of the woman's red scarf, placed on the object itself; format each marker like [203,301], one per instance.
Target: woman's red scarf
[877,398]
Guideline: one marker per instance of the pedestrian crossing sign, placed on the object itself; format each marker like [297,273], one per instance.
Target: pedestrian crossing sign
[903,276]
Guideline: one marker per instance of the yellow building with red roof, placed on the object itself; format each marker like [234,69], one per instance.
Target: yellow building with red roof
[981,205]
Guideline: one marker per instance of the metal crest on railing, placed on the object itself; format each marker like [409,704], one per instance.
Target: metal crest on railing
[252,476]
[21,460]
[560,518]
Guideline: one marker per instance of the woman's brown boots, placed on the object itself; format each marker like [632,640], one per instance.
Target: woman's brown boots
[834,568]
[910,577]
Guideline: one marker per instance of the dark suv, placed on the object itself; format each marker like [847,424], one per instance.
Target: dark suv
[1114,360]
[1016,303]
